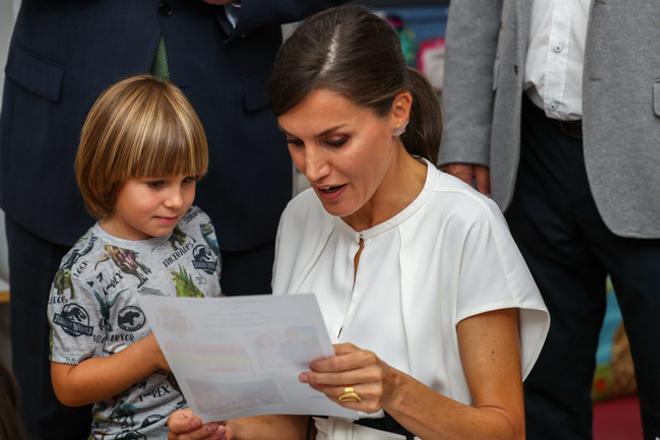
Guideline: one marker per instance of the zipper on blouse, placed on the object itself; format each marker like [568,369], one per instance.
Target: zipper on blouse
[356,260]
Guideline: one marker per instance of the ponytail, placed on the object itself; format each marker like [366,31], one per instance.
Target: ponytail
[422,137]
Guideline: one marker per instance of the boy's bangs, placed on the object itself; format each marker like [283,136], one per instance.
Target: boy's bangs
[174,152]
[171,142]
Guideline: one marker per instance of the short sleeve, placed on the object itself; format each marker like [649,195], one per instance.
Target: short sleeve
[208,233]
[493,275]
[73,314]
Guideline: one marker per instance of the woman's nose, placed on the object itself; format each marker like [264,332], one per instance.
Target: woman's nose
[316,166]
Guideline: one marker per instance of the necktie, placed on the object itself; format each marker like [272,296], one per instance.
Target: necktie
[159,67]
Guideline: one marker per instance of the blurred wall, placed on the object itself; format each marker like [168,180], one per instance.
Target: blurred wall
[8,11]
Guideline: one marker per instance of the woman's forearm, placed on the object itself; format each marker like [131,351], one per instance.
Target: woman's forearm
[269,428]
[431,415]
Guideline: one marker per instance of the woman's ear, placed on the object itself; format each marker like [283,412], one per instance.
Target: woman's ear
[401,107]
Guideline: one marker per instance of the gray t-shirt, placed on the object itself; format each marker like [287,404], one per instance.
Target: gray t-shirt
[94,311]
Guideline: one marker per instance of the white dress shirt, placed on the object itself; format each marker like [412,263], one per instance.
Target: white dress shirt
[232,11]
[555,57]
[445,257]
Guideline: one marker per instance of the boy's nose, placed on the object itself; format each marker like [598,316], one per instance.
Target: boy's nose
[174,199]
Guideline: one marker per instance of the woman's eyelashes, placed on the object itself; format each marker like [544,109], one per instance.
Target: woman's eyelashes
[337,141]
[295,142]
[334,142]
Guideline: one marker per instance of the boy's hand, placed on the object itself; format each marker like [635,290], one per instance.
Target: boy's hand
[183,425]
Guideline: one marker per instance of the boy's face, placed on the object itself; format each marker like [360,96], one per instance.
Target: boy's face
[149,207]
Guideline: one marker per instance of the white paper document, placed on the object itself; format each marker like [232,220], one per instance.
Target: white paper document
[241,356]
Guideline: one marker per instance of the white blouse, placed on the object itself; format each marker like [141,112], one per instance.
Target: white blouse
[445,257]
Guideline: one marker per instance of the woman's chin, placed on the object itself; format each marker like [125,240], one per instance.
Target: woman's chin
[337,210]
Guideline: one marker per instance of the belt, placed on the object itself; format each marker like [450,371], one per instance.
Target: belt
[370,428]
[569,128]
[386,423]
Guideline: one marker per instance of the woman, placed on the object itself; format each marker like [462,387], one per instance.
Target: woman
[435,316]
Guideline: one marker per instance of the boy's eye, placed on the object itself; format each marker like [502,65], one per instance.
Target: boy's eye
[190,179]
[155,183]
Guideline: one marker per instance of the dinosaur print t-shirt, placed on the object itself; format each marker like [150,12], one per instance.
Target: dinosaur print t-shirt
[94,311]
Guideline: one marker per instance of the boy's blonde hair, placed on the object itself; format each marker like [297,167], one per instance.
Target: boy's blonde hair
[138,127]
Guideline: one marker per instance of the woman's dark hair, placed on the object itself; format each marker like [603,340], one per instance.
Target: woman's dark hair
[352,51]
[10,425]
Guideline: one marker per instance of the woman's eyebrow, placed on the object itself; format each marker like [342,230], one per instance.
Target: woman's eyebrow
[319,135]
[329,130]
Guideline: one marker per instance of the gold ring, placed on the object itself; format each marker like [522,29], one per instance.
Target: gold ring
[349,395]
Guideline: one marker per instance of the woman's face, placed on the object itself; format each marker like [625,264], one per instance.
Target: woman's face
[344,150]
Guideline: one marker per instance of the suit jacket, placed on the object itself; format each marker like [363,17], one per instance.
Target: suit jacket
[64,53]
[486,51]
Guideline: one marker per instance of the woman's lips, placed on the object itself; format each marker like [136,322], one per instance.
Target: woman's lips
[330,192]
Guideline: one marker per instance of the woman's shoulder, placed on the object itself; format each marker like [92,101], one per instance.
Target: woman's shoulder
[457,201]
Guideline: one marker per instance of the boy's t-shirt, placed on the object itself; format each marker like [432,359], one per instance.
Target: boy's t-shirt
[94,311]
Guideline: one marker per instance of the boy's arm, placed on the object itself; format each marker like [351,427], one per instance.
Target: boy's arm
[100,378]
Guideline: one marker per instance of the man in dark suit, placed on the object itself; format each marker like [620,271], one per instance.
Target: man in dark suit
[62,55]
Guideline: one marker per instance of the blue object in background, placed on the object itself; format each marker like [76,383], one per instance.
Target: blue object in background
[611,322]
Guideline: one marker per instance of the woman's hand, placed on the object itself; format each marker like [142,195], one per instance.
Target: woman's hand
[183,425]
[371,379]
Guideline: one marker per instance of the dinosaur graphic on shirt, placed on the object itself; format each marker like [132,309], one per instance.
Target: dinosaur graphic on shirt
[124,413]
[130,435]
[105,305]
[185,287]
[178,238]
[126,260]
[209,236]
[62,279]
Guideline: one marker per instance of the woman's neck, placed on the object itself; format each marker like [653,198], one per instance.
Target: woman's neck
[401,185]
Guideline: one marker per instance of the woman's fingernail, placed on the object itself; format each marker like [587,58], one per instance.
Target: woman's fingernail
[303,377]
[212,427]
[195,423]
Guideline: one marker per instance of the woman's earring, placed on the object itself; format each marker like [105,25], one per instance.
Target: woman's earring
[400,130]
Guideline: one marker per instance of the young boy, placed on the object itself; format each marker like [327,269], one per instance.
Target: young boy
[141,153]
